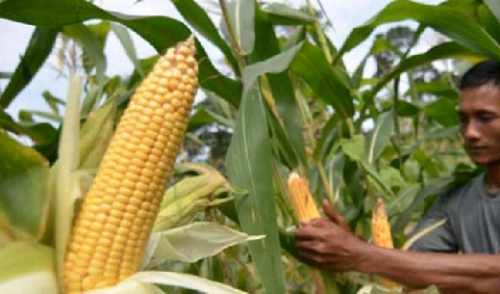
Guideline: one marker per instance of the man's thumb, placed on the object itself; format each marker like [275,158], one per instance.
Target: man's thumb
[333,215]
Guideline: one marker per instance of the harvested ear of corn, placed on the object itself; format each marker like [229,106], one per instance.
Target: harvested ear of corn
[381,234]
[306,209]
[302,200]
[117,215]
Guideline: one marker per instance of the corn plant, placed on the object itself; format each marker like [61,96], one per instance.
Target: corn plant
[291,107]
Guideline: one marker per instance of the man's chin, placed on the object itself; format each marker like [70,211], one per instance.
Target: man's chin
[480,161]
[485,162]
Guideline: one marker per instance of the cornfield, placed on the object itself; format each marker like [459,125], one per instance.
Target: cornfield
[190,173]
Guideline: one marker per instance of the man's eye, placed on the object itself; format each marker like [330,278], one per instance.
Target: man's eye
[485,118]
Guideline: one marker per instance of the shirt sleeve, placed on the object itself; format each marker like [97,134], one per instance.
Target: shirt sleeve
[440,239]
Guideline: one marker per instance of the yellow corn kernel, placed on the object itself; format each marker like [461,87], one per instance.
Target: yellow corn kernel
[134,170]
[302,200]
[381,229]
[381,234]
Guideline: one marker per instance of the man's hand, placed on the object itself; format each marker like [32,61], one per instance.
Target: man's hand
[329,243]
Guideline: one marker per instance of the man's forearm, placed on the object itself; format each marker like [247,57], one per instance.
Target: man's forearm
[468,273]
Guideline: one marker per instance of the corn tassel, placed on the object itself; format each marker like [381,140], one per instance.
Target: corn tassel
[381,234]
[302,200]
[117,215]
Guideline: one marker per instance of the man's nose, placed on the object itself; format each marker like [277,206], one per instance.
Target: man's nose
[471,132]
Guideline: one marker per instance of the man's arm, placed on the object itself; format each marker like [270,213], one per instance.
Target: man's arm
[328,244]
[451,273]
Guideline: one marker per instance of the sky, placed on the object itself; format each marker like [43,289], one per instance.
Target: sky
[14,37]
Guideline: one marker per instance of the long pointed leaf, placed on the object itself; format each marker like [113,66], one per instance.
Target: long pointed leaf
[312,66]
[449,21]
[326,133]
[195,241]
[46,115]
[494,7]
[435,187]
[53,101]
[5,75]
[441,51]
[281,87]
[127,44]
[275,64]
[379,137]
[242,14]
[203,117]
[38,50]
[183,281]
[283,14]
[488,20]
[249,167]
[283,92]
[38,132]
[198,18]
[440,88]
[161,32]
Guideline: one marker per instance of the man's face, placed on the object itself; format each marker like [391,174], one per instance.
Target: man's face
[479,112]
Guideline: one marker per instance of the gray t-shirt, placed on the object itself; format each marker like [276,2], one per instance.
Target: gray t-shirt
[472,225]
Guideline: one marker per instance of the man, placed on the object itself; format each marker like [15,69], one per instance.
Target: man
[472,214]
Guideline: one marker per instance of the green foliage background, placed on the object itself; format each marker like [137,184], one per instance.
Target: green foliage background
[288,104]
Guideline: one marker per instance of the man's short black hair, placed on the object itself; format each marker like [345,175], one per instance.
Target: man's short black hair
[482,73]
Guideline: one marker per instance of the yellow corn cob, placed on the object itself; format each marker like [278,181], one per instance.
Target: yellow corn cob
[302,199]
[381,229]
[306,209]
[381,233]
[117,215]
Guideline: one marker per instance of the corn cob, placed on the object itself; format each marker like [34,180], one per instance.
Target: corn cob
[117,215]
[306,209]
[381,234]
[302,199]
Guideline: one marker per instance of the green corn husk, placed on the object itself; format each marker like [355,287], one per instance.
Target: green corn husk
[188,197]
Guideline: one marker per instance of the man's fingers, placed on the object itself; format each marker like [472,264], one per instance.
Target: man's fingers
[307,233]
[312,222]
[330,212]
[317,223]
[333,215]
[305,245]
[308,257]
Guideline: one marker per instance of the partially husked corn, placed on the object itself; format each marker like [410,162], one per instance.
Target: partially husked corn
[381,229]
[117,215]
[302,199]
[381,233]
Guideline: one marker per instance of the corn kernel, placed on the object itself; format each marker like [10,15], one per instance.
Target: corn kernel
[116,218]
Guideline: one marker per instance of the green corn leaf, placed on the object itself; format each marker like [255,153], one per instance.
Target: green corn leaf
[449,21]
[195,241]
[161,32]
[199,19]
[27,268]
[242,16]
[40,45]
[126,40]
[282,14]
[249,167]
[23,183]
